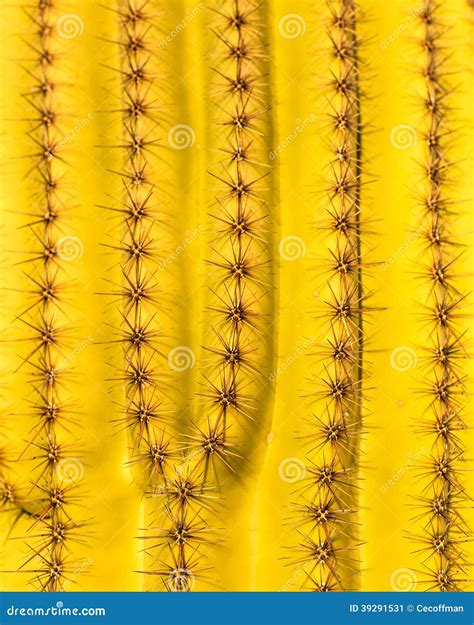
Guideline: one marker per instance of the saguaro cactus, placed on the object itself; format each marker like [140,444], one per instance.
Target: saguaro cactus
[235,279]
[329,545]
[445,531]
[49,499]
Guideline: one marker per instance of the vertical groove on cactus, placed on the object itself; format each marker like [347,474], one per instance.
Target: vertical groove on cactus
[444,529]
[329,545]
[238,269]
[55,464]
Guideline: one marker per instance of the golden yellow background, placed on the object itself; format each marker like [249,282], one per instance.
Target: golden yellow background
[257,511]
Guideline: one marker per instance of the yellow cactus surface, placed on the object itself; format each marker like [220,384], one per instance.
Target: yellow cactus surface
[235,275]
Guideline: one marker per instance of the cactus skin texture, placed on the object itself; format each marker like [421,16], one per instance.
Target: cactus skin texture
[442,544]
[329,545]
[173,526]
[52,455]
[235,272]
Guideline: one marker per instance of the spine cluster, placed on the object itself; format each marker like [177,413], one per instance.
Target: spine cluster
[329,540]
[55,465]
[445,532]
[238,262]
[146,415]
